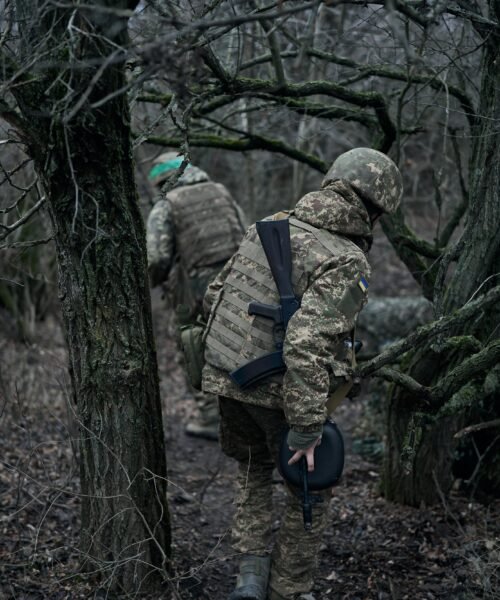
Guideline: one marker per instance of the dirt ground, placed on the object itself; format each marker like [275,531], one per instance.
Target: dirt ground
[372,549]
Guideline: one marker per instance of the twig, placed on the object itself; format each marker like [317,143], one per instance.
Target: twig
[426,331]
[478,427]
[10,228]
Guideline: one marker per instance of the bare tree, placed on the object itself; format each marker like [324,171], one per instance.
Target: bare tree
[63,68]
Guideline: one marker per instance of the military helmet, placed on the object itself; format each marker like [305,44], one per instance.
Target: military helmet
[167,157]
[372,174]
[163,166]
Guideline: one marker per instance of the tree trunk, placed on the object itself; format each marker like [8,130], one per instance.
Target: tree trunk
[84,157]
[422,451]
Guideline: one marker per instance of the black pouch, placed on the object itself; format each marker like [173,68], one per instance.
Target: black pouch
[328,461]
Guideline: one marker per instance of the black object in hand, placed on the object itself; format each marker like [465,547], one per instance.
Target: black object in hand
[328,467]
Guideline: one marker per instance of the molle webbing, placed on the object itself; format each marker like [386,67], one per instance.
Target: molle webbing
[235,337]
[206,223]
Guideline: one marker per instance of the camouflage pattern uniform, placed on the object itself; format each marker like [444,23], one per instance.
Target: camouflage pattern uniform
[330,231]
[190,235]
[253,420]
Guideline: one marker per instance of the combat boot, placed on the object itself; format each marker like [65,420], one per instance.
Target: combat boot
[206,425]
[253,577]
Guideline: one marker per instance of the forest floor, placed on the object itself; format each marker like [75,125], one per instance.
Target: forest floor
[372,549]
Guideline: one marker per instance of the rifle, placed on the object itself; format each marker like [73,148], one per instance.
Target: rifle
[275,239]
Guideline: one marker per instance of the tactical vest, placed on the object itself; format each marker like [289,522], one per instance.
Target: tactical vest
[207,226]
[233,336]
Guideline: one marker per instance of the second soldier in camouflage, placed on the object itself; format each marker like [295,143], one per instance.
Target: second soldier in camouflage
[191,233]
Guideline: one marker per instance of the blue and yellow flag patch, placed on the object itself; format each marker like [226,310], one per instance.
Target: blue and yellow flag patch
[363,284]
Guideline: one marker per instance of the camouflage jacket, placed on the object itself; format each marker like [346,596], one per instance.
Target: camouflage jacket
[332,289]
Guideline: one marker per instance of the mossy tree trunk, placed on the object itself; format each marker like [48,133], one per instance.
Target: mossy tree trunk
[421,449]
[77,128]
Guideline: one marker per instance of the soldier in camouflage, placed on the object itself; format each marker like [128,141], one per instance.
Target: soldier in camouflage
[331,233]
[191,232]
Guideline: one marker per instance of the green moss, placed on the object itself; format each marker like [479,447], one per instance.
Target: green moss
[412,440]
[462,343]
[465,398]
[492,382]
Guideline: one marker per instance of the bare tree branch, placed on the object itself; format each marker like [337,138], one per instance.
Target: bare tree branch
[478,427]
[471,367]
[8,229]
[374,100]
[248,142]
[27,244]
[405,381]
[431,330]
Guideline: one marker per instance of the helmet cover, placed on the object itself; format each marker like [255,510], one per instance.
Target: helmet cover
[372,174]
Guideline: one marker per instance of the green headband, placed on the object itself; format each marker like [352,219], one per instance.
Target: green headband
[170,165]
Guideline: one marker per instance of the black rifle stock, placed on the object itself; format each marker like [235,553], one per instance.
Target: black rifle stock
[275,239]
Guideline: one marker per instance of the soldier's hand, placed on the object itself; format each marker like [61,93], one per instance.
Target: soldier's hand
[308,453]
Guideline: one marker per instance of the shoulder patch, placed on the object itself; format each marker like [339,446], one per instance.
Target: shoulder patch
[363,284]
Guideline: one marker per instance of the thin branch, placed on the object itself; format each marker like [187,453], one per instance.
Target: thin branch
[478,427]
[460,210]
[418,245]
[248,142]
[312,109]
[374,100]
[405,381]
[275,49]
[400,235]
[425,332]
[13,118]
[27,244]
[10,228]
[235,21]
[467,370]
[8,178]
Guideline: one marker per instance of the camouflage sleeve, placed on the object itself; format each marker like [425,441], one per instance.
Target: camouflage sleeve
[160,242]
[215,287]
[313,349]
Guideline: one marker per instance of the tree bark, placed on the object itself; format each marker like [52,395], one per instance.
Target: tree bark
[83,155]
[422,451]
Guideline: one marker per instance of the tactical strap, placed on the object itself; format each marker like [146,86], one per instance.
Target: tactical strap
[255,253]
[323,237]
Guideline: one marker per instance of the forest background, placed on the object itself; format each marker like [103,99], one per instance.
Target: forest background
[263,97]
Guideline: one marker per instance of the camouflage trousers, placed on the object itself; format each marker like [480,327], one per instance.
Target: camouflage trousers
[252,435]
